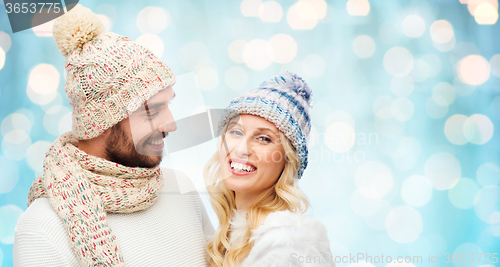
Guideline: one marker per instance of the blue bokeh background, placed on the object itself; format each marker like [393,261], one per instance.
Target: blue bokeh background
[405,149]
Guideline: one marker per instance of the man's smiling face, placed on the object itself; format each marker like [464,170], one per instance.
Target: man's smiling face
[138,140]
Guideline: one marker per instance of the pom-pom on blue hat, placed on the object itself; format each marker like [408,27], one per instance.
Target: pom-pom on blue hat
[286,101]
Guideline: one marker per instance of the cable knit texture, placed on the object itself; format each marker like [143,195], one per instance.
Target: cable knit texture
[286,101]
[108,76]
[172,232]
[82,188]
[284,239]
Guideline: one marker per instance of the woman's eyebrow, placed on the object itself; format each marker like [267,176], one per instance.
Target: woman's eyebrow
[264,129]
[233,123]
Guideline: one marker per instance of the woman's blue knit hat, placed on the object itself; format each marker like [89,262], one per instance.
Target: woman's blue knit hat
[284,100]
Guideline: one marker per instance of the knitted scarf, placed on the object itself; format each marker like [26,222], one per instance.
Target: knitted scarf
[82,188]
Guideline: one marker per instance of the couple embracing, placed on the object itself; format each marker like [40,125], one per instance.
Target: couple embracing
[103,200]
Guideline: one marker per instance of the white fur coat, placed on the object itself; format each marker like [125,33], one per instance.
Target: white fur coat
[285,239]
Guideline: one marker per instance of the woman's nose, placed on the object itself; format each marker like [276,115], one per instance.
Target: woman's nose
[242,149]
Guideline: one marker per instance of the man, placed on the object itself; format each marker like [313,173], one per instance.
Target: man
[102,199]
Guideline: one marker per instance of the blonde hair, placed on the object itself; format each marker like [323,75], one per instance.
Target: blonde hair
[285,195]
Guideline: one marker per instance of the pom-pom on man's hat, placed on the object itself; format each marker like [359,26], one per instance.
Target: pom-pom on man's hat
[108,76]
[286,101]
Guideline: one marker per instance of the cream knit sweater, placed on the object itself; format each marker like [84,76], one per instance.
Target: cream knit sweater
[173,232]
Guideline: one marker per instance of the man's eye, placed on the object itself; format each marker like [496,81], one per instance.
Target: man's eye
[151,114]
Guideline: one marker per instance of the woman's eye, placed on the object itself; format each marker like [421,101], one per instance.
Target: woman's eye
[235,132]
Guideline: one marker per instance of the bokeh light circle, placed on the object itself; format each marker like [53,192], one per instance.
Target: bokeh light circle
[472,5]
[153,20]
[52,118]
[5,41]
[9,176]
[495,65]
[36,155]
[270,11]
[363,46]
[488,174]
[106,21]
[340,137]
[473,70]
[443,170]
[486,14]
[441,32]
[373,179]
[207,78]
[9,214]
[404,224]
[250,8]
[340,116]
[284,48]
[15,121]
[416,191]
[2,58]
[15,145]
[258,54]
[152,42]
[302,16]
[398,61]
[454,129]
[443,94]
[44,79]
[358,7]
[478,129]
[487,202]
[413,26]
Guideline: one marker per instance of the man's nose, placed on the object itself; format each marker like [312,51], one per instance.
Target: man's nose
[168,124]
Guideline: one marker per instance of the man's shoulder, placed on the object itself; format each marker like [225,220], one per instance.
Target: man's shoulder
[176,181]
[40,217]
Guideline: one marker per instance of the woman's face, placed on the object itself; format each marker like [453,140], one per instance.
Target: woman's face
[252,156]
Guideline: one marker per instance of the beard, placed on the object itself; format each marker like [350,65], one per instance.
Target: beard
[121,149]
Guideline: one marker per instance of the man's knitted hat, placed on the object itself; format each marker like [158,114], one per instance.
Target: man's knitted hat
[284,100]
[108,76]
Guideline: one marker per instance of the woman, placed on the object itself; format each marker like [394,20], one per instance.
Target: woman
[252,180]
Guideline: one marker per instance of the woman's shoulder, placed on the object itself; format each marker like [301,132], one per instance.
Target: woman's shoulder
[291,226]
[285,236]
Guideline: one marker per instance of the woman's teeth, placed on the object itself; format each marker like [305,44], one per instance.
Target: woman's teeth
[242,167]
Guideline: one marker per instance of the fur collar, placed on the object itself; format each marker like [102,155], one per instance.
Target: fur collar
[281,234]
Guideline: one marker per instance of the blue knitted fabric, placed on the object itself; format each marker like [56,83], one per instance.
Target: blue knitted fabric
[284,100]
